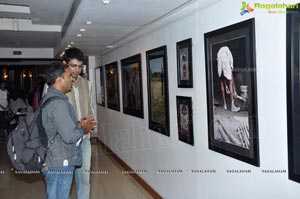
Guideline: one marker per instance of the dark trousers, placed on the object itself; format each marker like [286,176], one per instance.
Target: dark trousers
[3,122]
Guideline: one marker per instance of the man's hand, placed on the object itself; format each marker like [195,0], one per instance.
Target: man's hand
[87,124]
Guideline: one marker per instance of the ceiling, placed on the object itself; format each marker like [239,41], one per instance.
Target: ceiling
[55,23]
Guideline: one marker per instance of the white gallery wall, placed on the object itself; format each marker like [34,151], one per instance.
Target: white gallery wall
[148,152]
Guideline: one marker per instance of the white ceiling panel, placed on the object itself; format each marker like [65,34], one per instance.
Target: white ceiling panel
[110,22]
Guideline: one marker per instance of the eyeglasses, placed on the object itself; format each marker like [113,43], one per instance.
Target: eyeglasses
[75,65]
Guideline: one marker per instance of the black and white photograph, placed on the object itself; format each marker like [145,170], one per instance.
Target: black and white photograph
[185,119]
[184,64]
[132,88]
[99,85]
[231,87]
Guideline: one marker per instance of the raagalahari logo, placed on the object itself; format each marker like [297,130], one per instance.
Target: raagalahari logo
[270,7]
[246,8]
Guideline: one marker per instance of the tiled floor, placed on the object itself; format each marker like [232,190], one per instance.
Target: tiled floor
[107,180]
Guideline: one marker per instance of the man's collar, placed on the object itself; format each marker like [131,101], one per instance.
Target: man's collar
[53,90]
[75,84]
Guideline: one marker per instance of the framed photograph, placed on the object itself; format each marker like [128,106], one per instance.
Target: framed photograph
[231,91]
[132,89]
[185,119]
[158,93]
[184,64]
[293,94]
[112,86]
[99,81]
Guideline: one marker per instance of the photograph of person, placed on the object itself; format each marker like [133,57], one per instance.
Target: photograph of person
[230,83]
[185,119]
[184,64]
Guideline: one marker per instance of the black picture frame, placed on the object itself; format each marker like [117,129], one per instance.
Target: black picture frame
[132,87]
[231,91]
[158,91]
[184,64]
[99,86]
[185,119]
[293,94]
[112,86]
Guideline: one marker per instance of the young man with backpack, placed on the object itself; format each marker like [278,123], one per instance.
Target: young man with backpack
[64,133]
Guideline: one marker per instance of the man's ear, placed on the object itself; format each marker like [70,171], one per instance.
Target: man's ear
[59,78]
[64,62]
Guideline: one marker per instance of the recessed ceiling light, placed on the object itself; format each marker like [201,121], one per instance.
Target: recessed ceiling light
[72,42]
[82,29]
[79,35]
[88,23]
[105,2]
[109,46]
[69,46]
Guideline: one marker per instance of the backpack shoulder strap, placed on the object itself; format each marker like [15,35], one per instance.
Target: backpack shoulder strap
[39,122]
[50,99]
[43,104]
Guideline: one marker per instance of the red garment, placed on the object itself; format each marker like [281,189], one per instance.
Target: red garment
[35,101]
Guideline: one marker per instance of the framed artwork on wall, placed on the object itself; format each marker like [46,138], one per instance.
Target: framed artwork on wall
[112,86]
[185,119]
[184,64]
[102,85]
[231,91]
[293,94]
[158,93]
[99,82]
[132,88]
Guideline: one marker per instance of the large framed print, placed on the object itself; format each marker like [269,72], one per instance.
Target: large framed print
[185,119]
[184,64]
[112,86]
[293,93]
[231,91]
[132,89]
[158,93]
[99,85]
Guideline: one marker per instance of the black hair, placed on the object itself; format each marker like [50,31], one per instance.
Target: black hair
[73,53]
[40,81]
[53,71]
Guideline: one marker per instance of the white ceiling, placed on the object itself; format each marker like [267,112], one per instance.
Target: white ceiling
[44,26]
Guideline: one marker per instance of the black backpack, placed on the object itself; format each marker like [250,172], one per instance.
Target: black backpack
[27,144]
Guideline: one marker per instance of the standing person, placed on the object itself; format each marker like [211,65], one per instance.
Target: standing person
[36,95]
[225,67]
[3,106]
[80,98]
[63,132]
[17,105]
